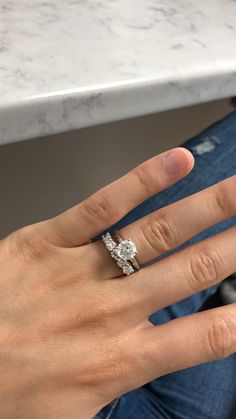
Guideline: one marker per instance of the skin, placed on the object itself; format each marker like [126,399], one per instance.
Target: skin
[74,332]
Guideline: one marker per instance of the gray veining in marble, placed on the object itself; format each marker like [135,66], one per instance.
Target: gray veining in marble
[67,64]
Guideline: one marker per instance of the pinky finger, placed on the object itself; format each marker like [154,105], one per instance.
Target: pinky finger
[189,341]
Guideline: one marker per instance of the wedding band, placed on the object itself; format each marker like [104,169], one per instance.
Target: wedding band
[123,251]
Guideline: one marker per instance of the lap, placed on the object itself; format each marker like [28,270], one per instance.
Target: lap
[208,390]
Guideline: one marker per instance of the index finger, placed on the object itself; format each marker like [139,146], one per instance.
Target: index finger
[84,221]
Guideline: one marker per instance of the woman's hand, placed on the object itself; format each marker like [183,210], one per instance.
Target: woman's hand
[74,332]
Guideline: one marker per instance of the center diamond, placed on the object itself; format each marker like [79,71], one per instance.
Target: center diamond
[126,249]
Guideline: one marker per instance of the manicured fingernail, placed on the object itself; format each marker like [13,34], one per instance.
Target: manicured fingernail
[176,161]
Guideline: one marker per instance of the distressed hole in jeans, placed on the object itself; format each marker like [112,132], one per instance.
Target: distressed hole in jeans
[207,145]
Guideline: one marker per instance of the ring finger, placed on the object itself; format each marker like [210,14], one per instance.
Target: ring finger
[169,227]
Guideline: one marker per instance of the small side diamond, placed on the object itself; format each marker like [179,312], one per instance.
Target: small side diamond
[114,256]
[128,269]
[120,263]
[108,241]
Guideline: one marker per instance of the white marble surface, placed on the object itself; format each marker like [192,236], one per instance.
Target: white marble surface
[67,64]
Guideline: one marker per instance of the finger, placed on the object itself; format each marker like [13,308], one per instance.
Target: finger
[84,221]
[188,341]
[169,227]
[182,274]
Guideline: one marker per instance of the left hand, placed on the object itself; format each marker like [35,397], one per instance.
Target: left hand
[75,332]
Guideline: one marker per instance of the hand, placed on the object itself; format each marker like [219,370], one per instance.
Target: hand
[75,332]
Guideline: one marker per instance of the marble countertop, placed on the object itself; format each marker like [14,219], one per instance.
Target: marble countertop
[67,64]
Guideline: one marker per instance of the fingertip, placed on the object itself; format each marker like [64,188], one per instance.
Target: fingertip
[178,161]
[190,157]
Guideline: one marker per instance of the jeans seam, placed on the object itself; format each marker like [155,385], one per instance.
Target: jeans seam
[112,409]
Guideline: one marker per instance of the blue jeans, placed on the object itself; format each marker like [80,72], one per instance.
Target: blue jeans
[207,391]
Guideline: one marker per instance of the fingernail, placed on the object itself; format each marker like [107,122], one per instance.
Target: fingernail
[175,162]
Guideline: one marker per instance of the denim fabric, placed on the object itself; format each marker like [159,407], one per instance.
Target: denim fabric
[207,391]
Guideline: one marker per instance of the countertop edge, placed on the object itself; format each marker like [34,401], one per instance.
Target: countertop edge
[67,111]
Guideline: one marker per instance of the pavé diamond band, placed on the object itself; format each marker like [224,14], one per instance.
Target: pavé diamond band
[123,252]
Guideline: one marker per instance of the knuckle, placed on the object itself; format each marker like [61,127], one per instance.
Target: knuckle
[102,318]
[97,206]
[159,234]
[221,337]
[25,243]
[104,311]
[204,269]
[110,309]
[224,197]
[144,179]
[220,203]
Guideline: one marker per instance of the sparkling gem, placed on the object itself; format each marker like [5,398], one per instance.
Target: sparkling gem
[110,245]
[109,242]
[125,250]
[128,269]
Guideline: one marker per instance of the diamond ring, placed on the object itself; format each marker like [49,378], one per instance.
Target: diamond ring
[123,252]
